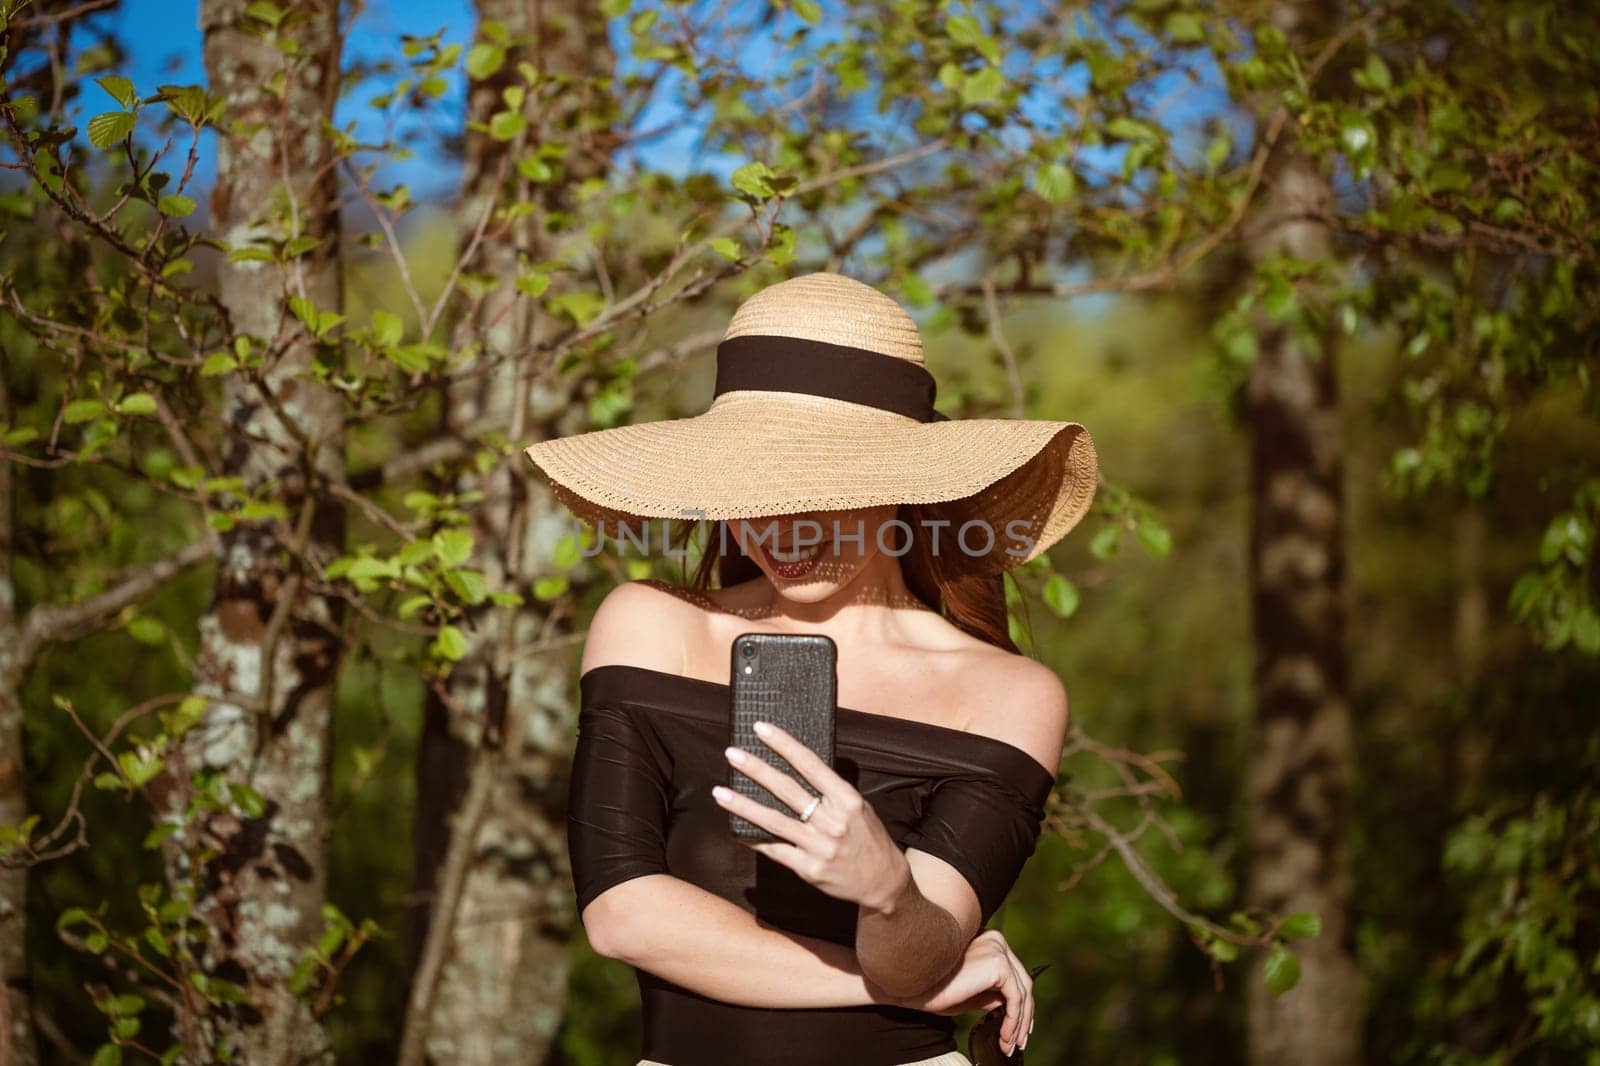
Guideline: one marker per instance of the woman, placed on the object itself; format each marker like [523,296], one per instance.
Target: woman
[841,503]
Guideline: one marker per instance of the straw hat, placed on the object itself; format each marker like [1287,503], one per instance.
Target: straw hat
[822,402]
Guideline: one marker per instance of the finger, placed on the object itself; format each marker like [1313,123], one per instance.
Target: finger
[1032,1008]
[1024,997]
[1014,1007]
[774,822]
[1024,992]
[763,773]
[806,762]
[788,855]
[1025,1017]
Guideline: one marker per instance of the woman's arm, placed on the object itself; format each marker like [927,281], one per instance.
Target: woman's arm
[920,930]
[697,939]
[969,852]
[708,945]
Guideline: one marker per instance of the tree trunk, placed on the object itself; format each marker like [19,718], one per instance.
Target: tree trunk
[17,1044]
[269,648]
[1302,748]
[498,994]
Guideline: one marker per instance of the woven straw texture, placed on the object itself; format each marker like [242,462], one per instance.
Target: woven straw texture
[756,453]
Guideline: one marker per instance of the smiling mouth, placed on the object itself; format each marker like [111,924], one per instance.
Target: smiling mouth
[795,556]
[794,563]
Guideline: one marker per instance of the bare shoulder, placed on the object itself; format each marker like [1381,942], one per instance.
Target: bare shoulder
[1020,701]
[641,623]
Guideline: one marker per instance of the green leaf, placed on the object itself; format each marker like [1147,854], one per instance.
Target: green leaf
[754,179]
[1280,299]
[1586,631]
[218,363]
[809,11]
[138,403]
[107,1055]
[469,585]
[305,311]
[566,555]
[176,206]
[248,800]
[121,90]
[1282,971]
[267,12]
[581,307]
[534,283]
[1105,542]
[535,169]
[1301,925]
[983,86]
[1378,72]
[964,29]
[484,59]
[82,411]
[110,128]
[300,978]
[159,835]
[387,329]
[548,588]
[1054,183]
[147,630]
[1060,595]
[1185,27]
[726,247]
[452,546]
[1217,151]
[1155,538]
[505,125]
[1124,128]
[72,916]
[332,940]
[450,644]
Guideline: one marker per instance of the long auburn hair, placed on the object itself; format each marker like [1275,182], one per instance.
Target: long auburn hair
[975,604]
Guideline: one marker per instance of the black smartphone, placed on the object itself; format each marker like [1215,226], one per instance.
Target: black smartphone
[790,680]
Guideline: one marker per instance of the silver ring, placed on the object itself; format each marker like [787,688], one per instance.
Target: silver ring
[810,808]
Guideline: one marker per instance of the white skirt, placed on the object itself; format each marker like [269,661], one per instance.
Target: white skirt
[949,1058]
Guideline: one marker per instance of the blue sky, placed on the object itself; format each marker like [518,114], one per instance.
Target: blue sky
[163,39]
[164,45]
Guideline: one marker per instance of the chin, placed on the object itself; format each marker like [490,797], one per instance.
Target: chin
[807,589]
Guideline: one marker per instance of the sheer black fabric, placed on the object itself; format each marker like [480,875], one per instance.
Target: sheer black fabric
[649,750]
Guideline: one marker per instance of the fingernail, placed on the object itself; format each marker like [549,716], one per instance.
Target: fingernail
[734,754]
[721,793]
[762,729]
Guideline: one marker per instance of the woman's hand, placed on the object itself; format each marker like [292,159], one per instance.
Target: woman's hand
[990,974]
[843,848]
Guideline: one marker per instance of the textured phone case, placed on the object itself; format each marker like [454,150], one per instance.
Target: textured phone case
[792,684]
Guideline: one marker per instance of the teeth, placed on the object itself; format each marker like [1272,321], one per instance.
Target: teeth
[795,557]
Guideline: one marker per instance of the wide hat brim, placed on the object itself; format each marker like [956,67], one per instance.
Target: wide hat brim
[756,454]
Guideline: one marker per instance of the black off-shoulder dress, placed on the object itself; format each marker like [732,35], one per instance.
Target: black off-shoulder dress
[649,749]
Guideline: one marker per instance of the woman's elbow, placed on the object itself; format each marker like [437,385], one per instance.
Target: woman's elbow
[905,982]
[605,922]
